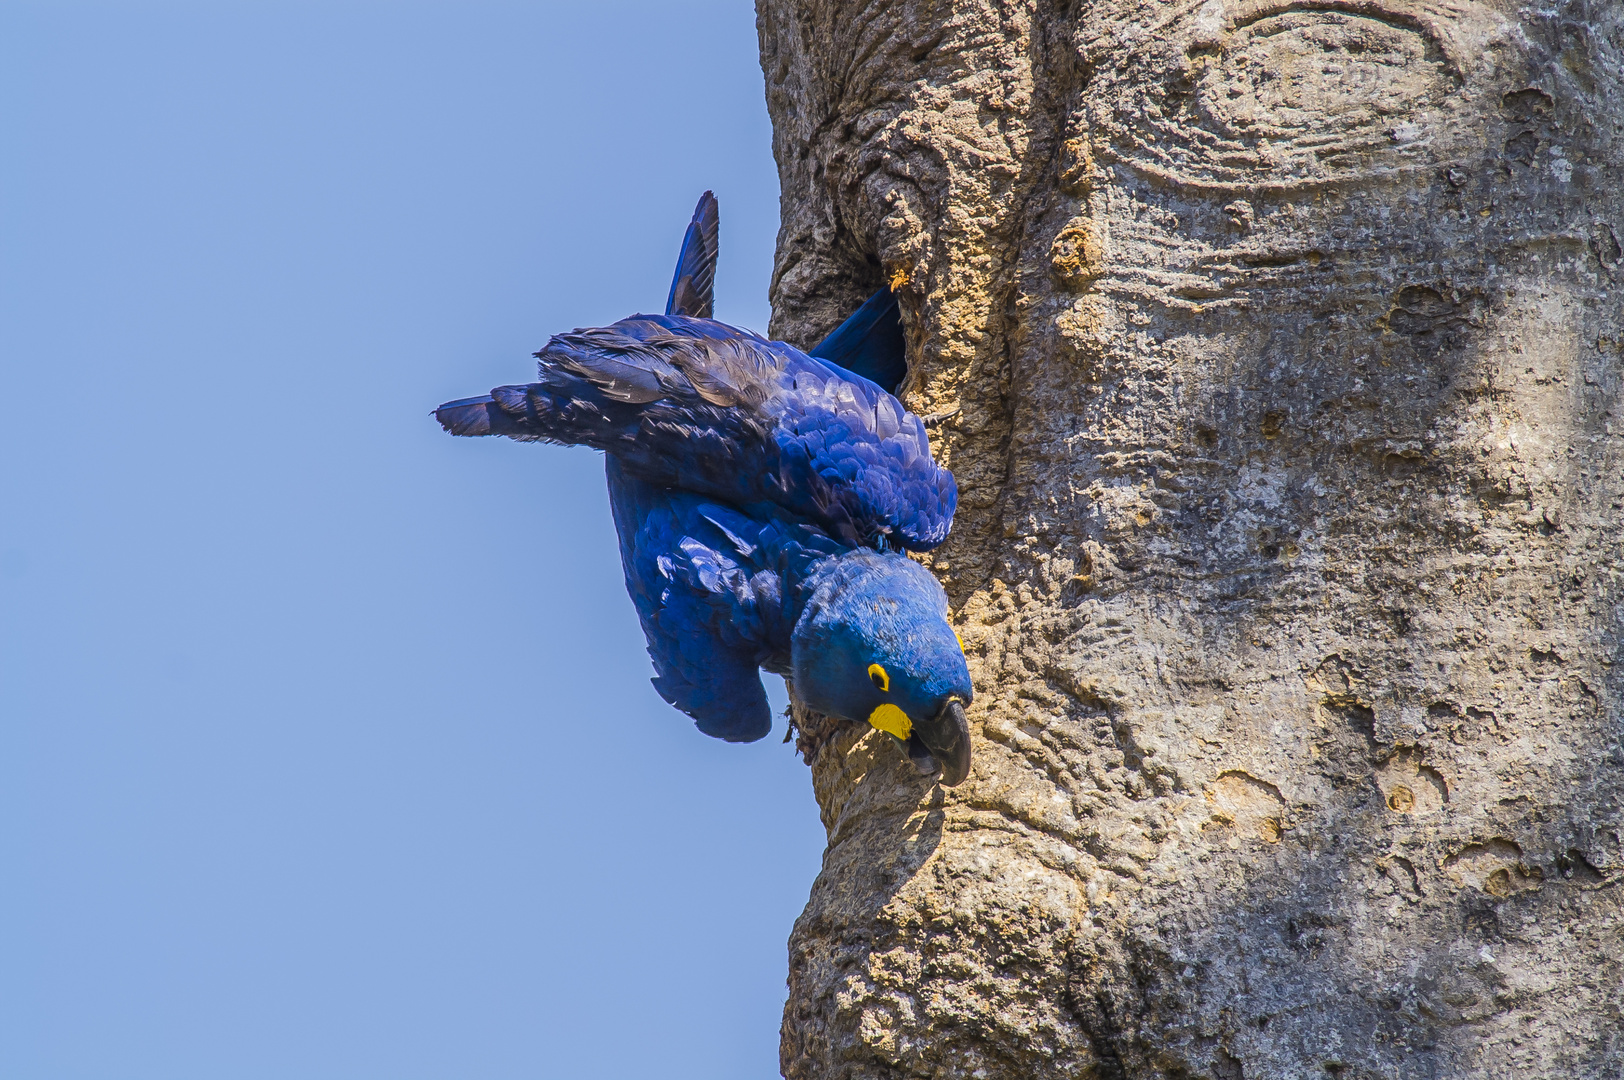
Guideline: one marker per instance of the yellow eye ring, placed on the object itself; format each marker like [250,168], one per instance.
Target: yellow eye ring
[877,676]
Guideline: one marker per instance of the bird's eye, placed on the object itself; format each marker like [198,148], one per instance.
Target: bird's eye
[878,677]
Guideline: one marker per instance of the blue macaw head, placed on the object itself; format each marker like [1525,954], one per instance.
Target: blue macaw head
[873,644]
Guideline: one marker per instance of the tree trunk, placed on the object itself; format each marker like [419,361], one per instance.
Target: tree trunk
[1283,346]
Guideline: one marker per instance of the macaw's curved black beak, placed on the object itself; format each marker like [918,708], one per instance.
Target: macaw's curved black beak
[942,742]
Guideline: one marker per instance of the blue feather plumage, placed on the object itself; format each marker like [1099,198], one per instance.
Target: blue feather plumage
[757,492]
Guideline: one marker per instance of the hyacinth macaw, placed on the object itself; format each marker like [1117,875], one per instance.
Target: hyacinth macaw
[764,499]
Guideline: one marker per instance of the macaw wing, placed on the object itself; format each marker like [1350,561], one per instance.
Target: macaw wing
[703,407]
[870,343]
[711,616]
[692,283]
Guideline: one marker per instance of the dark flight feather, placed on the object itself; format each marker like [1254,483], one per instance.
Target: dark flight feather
[691,285]
[870,343]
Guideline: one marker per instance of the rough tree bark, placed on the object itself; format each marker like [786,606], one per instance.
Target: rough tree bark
[1286,343]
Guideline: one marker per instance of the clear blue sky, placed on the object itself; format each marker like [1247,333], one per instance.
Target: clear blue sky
[327,747]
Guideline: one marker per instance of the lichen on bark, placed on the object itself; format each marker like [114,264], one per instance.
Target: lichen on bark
[1286,346]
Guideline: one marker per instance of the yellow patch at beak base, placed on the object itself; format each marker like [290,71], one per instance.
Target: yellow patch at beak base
[889,718]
